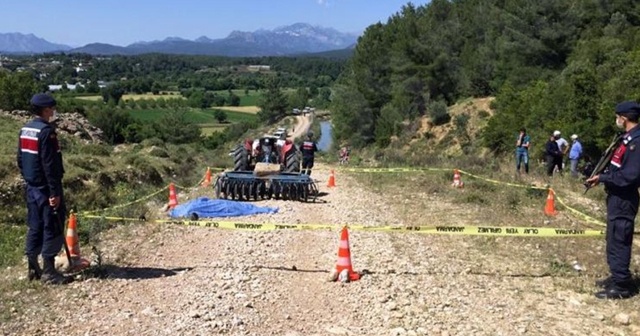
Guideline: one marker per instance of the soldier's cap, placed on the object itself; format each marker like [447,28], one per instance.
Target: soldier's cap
[628,107]
[43,100]
[573,137]
[556,133]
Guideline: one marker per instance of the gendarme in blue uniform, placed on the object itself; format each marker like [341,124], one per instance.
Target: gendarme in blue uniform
[40,162]
[308,149]
[621,182]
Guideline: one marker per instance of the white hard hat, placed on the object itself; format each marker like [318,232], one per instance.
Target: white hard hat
[556,133]
[573,137]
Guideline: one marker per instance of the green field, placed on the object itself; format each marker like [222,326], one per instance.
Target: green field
[253,99]
[168,95]
[205,118]
[208,129]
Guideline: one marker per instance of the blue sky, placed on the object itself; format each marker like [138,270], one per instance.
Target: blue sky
[123,22]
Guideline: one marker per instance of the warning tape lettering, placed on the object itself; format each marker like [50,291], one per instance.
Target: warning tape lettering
[489,230]
[449,228]
[285,227]
[248,226]
[569,232]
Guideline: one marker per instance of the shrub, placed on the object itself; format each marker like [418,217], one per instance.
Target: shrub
[438,113]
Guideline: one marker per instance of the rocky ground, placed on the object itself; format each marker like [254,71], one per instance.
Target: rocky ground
[74,124]
[169,279]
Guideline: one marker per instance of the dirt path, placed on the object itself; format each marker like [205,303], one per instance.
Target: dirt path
[196,281]
[302,126]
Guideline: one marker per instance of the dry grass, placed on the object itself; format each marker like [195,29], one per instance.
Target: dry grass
[243,109]
[428,199]
[208,129]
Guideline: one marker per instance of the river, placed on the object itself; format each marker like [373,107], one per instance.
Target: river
[326,137]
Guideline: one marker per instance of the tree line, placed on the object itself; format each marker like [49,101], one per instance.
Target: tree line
[157,72]
[552,64]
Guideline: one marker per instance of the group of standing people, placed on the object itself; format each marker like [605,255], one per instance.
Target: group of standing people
[556,149]
[621,180]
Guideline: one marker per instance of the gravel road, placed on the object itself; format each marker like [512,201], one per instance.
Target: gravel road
[175,280]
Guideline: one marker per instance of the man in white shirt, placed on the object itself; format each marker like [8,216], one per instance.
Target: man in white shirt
[562,144]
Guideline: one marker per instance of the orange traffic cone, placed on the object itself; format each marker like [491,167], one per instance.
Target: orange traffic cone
[550,208]
[77,261]
[332,180]
[344,257]
[207,178]
[457,182]
[173,199]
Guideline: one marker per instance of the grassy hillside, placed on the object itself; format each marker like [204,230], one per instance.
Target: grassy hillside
[96,177]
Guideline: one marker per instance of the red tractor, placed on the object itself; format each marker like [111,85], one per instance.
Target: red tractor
[267,149]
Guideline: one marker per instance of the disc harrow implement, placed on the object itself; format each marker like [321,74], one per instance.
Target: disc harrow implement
[246,186]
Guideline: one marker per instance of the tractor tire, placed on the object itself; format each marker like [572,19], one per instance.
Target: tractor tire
[292,161]
[240,159]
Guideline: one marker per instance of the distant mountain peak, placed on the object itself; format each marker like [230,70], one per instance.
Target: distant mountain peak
[204,39]
[28,43]
[295,39]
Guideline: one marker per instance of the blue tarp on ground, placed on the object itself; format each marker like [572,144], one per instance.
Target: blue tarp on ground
[206,208]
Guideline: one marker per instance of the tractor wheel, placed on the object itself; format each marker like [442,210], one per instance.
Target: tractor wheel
[292,161]
[218,187]
[240,159]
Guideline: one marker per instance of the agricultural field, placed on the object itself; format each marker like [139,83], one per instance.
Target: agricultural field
[241,109]
[253,99]
[204,117]
[165,95]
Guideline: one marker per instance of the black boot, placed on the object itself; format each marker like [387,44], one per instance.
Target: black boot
[618,290]
[615,293]
[51,276]
[604,283]
[34,270]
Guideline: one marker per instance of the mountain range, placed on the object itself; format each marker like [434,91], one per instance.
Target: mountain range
[299,38]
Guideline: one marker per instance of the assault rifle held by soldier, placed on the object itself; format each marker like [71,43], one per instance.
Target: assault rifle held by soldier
[604,161]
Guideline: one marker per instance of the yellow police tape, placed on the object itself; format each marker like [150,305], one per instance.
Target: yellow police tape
[119,206]
[438,229]
[390,170]
[466,230]
[580,214]
[584,216]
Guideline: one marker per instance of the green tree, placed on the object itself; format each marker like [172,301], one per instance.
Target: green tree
[112,93]
[220,115]
[175,127]
[93,87]
[16,90]
[113,122]
[387,125]
[299,99]
[233,100]
[273,105]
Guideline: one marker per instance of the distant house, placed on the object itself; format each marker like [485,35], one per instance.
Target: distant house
[57,87]
[259,68]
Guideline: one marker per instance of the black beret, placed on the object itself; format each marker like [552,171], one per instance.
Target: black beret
[628,107]
[43,100]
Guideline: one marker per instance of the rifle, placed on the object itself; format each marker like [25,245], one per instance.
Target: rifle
[604,160]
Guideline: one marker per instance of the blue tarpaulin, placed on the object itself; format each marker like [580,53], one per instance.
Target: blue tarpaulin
[206,208]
